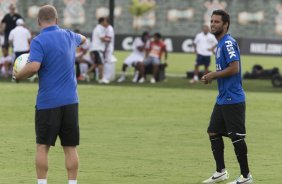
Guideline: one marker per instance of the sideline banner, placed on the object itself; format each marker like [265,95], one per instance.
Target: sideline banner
[185,44]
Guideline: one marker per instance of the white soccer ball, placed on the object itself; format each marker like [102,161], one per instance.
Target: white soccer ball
[20,62]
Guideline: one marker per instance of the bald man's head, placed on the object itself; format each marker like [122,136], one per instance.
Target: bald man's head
[47,14]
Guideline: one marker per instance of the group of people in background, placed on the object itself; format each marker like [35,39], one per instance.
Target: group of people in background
[145,52]
[93,57]
[15,34]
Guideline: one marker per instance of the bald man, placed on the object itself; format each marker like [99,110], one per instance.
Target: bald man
[52,55]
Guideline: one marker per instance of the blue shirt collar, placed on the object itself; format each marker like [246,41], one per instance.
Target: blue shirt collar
[50,28]
[224,37]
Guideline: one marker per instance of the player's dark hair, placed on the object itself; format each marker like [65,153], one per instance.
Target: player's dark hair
[101,19]
[224,16]
[144,36]
[145,33]
[158,35]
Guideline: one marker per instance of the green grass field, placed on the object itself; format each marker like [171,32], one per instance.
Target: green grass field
[145,134]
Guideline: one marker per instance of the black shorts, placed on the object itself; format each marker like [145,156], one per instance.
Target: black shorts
[6,41]
[228,119]
[60,121]
[203,60]
[97,57]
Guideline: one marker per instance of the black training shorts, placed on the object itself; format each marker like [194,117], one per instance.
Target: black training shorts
[97,57]
[60,121]
[228,119]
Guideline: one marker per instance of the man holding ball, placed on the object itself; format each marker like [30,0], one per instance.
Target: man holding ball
[52,55]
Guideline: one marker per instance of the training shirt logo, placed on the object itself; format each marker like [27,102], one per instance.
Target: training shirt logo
[218,67]
[230,49]
[218,52]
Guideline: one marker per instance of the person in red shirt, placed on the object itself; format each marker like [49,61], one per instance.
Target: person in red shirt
[153,56]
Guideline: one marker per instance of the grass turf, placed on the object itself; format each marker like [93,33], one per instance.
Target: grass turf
[143,133]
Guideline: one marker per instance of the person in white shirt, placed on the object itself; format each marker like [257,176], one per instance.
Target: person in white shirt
[109,70]
[20,38]
[136,57]
[204,44]
[98,47]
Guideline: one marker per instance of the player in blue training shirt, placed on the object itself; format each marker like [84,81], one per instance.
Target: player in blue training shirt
[52,55]
[228,116]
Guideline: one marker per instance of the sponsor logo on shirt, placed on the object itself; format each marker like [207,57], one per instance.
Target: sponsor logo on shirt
[218,52]
[230,49]
[218,67]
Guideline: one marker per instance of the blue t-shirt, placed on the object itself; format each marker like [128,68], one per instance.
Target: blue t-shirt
[230,88]
[55,48]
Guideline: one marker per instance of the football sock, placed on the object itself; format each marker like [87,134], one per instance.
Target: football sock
[217,146]
[72,181]
[42,181]
[241,150]
[137,73]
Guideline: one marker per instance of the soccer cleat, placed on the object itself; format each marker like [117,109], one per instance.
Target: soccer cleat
[121,79]
[242,180]
[104,81]
[142,80]
[135,79]
[86,78]
[217,177]
[153,81]
[193,81]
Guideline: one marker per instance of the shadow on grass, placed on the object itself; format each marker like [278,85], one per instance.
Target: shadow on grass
[183,83]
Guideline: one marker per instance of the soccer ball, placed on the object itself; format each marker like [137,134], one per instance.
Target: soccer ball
[20,62]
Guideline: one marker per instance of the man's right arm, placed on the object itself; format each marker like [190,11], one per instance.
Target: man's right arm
[2,27]
[83,39]
[3,24]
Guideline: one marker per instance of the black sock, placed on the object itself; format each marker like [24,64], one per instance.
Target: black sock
[241,150]
[217,146]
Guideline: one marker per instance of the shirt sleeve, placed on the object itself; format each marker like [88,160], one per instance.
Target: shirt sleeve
[231,51]
[4,20]
[101,32]
[28,35]
[36,52]
[196,40]
[77,39]
[138,43]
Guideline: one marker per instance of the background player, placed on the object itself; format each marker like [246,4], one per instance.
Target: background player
[98,48]
[7,24]
[136,57]
[153,56]
[204,44]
